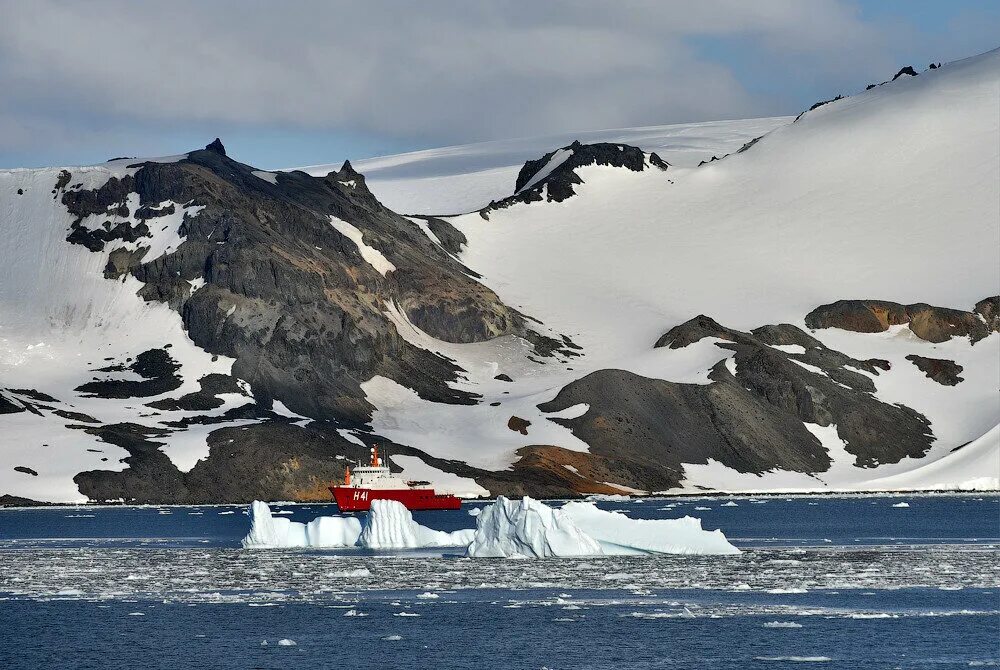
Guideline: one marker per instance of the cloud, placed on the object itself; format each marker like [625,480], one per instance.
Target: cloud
[429,72]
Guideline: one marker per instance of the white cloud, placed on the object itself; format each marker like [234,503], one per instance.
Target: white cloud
[440,71]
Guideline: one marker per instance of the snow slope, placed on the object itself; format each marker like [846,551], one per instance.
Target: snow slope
[892,194]
[462,178]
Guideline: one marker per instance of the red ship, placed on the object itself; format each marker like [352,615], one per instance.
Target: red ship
[376,482]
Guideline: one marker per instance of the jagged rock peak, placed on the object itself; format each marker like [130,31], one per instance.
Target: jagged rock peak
[216,146]
[348,177]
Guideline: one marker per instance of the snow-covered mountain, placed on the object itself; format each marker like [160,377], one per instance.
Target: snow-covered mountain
[814,309]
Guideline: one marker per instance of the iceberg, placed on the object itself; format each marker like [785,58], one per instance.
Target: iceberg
[525,528]
[528,528]
[270,532]
[391,526]
[618,534]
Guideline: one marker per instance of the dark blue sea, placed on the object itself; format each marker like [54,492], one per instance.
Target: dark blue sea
[843,582]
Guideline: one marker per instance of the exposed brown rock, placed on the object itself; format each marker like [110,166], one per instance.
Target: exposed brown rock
[934,324]
[942,371]
[518,425]
[989,309]
[591,471]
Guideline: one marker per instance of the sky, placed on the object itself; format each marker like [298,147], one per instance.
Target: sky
[305,82]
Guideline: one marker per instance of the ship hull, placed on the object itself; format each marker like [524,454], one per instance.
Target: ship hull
[359,499]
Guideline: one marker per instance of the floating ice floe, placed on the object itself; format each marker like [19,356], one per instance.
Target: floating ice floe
[902,504]
[354,612]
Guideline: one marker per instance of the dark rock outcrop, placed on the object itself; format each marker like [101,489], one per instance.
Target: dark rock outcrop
[942,371]
[905,70]
[8,500]
[149,212]
[817,105]
[74,416]
[451,238]
[752,421]
[749,144]
[553,176]
[819,385]
[646,428]
[216,147]
[989,310]
[8,406]
[34,395]
[934,324]
[204,399]
[157,369]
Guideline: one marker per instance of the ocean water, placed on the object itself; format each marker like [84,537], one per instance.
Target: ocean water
[846,582]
